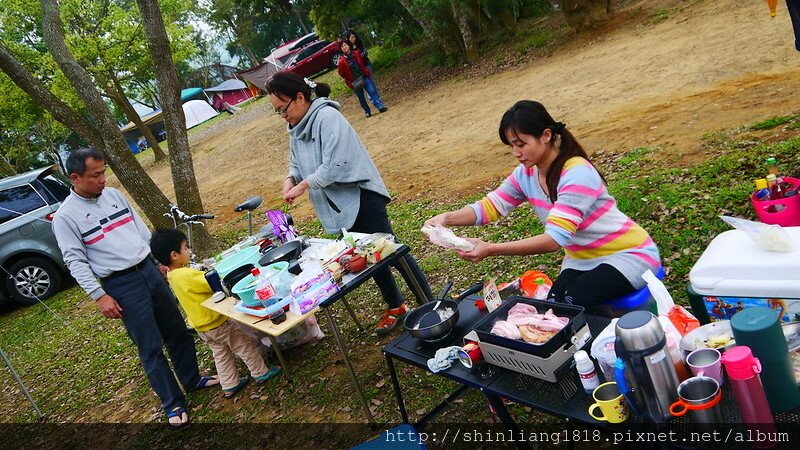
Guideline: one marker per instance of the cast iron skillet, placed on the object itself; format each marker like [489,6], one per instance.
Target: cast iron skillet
[286,252]
[440,329]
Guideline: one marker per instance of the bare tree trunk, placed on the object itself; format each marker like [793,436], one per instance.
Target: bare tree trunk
[300,19]
[122,102]
[584,14]
[180,156]
[239,40]
[443,41]
[460,14]
[139,185]
[57,108]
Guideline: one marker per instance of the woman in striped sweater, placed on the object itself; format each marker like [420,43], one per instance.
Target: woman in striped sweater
[605,251]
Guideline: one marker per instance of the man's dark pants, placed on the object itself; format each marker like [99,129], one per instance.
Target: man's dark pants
[151,317]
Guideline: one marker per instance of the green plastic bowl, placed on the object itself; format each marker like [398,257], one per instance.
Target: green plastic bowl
[247,255]
[245,289]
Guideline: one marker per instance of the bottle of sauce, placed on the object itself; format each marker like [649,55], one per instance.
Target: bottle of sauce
[675,354]
[586,371]
[776,192]
[772,166]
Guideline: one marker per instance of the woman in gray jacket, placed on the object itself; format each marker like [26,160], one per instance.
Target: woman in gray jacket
[329,161]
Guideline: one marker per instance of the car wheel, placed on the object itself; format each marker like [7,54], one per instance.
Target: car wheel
[335,60]
[33,278]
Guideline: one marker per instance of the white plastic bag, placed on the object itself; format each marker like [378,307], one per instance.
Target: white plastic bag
[444,237]
[675,319]
[769,237]
[302,333]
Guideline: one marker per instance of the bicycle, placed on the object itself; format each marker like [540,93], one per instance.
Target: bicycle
[196,219]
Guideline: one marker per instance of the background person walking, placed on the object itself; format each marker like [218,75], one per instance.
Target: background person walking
[358,77]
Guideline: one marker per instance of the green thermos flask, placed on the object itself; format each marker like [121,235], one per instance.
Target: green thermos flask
[758,328]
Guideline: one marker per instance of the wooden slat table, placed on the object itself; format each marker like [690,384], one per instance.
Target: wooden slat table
[263,324]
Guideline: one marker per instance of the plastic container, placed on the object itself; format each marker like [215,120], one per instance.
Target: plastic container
[735,273]
[603,352]
[248,255]
[586,371]
[245,289]
[743,372]
[784,211]
[535,284]
[677,358]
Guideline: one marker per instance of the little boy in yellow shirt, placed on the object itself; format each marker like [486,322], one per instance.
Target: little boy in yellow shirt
[170,247]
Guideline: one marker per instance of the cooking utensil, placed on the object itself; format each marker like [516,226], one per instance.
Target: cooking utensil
[286,252]
[439,330]
[432,317]
[235,275]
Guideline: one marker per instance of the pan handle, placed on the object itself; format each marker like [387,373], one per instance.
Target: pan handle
[445,289]
[469,291]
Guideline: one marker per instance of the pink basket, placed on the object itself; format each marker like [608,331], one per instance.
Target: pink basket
[786,211]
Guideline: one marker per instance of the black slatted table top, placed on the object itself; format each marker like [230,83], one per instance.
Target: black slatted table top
[417,351]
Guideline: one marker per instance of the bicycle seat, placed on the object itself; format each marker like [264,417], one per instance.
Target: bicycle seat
[250,204]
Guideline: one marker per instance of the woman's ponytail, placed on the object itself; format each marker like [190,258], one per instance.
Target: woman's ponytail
[289,84]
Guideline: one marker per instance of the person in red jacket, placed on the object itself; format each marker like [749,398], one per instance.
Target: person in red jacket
[358,78]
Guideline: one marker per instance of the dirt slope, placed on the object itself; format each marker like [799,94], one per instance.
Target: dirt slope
[709,65]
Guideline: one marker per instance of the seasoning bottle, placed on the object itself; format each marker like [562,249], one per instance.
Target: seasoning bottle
[776,192]
[586,371]
[772,166]
[675,354]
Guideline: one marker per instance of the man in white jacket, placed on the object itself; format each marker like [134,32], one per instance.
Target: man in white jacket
[106,248]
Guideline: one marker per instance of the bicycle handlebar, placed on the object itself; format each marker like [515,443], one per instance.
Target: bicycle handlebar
[183,217]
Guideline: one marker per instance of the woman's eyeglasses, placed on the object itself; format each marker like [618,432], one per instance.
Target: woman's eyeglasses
[282,112]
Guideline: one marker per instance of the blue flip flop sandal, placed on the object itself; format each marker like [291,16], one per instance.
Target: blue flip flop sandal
[206,382]
[178,412]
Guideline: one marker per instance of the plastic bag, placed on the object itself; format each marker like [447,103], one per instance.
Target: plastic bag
[302,333]
[677,317]
[530,285]
[444,237]
[769,237]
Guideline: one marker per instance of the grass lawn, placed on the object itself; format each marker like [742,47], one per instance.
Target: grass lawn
[83,368]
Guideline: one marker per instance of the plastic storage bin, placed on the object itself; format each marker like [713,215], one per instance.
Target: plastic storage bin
[244,256]
[734,273]
[784,212]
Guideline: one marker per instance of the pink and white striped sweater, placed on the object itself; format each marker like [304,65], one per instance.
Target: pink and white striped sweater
[584,220]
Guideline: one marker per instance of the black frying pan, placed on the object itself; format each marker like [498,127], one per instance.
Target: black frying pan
[286,252]
[439,330]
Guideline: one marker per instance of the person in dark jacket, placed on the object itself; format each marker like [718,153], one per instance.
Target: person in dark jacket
[359,78]
[356,44]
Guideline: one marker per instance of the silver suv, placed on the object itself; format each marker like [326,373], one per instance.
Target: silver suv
[30,260]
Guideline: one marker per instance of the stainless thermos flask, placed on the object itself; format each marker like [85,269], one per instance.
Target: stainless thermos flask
[646,373]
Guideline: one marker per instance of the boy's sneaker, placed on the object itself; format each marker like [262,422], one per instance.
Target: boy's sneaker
[383,110]
[367,114]
[272,372]
[231,392]
[390,319]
